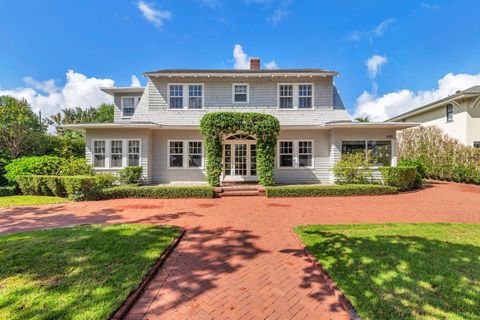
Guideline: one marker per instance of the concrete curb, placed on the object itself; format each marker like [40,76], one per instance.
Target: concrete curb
[122,311]
[342,300]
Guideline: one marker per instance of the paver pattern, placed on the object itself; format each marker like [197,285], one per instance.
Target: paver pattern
[239,258]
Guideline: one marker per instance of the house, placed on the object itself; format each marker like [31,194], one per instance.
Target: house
[458,115]
[157,127]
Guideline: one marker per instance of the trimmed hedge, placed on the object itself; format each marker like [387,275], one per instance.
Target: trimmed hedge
[44,165]
[402,178]
[76,188]
[8,191]
[327,191]
[157,192]
[130,175]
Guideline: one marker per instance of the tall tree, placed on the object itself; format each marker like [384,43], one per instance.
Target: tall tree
[21,130]
[363,119]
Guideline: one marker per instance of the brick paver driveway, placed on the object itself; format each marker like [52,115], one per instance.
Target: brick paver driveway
[239,259]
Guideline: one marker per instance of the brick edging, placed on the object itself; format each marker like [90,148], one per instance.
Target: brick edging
[122,311]
[342,300]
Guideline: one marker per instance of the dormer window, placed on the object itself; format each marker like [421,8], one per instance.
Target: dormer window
[240,93]
[128,106]
[195,96]
[176,96]
[185,96]
[305,96]
[286,96]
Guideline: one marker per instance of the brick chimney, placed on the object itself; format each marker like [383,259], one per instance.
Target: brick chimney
[255,63]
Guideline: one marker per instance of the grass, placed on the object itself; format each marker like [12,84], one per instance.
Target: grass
[402,271]
[29,200]
[83,272]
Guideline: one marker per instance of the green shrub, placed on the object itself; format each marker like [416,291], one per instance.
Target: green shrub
[44,165]
[326,191]
[75,167]
[130,175]
[157,192]
[8,191]
[76,188]
[402,178]
[3,179]
[353,168]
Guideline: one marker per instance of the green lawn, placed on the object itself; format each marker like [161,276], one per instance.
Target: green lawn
[402,271]
[29,200]
[83,272]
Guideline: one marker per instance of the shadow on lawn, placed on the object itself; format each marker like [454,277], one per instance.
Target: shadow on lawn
[82,272]
[401,277]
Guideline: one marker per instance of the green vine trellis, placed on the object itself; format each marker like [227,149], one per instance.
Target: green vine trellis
[216,126]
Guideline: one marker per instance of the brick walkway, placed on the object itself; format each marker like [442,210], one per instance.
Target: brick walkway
[239,259]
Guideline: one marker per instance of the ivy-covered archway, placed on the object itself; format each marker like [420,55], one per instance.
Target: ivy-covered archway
[216,126]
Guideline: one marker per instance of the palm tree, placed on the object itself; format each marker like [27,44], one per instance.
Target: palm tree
[363,119]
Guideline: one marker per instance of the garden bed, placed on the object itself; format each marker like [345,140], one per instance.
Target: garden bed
[84,272]
[328,190]
[402,271]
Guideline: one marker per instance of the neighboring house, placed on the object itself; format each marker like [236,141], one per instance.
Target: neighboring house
[458,115]
[157,127]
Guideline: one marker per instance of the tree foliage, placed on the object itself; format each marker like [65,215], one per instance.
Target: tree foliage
[216,126]
[354,168]
[21,130]
[441,156]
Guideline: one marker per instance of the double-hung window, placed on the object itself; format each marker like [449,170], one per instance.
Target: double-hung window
[128,106]
[449,110]
[240,93]
[285,96]
[176,96]
[305,96]
[195,154]
[195,96]
[286,154]
[305,154]
[133,152]
[380,151]
[476,144]
[116,153]
[176,154]
[99,153]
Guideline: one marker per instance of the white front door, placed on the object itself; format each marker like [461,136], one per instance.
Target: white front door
[240,161]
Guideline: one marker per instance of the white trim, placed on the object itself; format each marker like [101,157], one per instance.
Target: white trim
[185,155]
[136,100]
[233,93]
[295,95]
[393,160]
[295,154]
[185,96]
[248,176]
[108,151]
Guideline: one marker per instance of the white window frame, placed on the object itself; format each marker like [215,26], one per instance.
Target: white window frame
[105,154]
[392,146]
[108,149]
[185,96]
[312,153]
[296,162]
[447,112]
[233,93]
[476,144]
[296,95]
[185,154]
[122,154]
[136,100]
[128,151]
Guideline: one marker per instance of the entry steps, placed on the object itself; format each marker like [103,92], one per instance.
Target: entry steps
[240,191]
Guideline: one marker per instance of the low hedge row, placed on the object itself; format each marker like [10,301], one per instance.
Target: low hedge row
[334,190]
[157,192]
[402,177]
[76,188]
[8,191]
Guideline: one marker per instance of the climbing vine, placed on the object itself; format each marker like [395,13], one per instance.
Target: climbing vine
[216,126]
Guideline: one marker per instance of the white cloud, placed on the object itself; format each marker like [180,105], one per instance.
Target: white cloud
[135,82]
[374,64]
[376,32]
[383,107]
[240,58]
[280,13]
[46,96]
[271,65]
[155,16]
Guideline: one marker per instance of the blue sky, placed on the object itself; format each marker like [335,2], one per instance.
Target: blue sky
[418,51]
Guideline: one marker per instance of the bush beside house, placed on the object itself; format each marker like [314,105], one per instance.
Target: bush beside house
[157,192]
[327,191]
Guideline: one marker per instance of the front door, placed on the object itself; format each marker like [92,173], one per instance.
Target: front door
[239,159]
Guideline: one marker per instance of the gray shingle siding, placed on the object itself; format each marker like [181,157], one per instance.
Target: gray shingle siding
[218,97]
